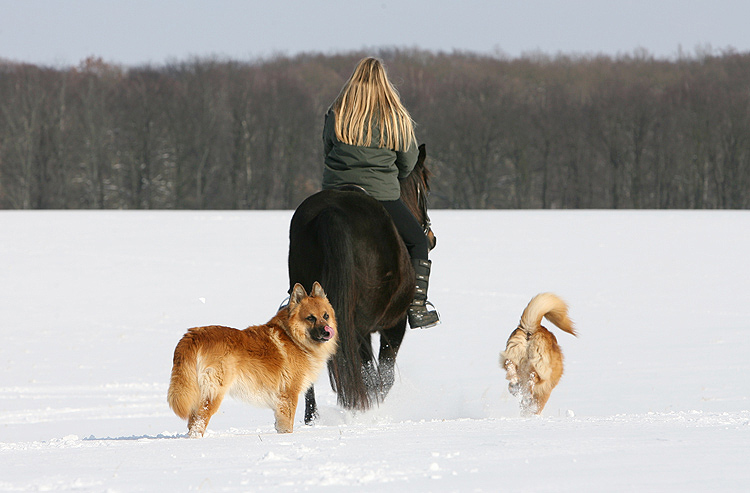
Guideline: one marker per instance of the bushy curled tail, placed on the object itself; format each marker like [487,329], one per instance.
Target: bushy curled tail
[549,306]
[184,394]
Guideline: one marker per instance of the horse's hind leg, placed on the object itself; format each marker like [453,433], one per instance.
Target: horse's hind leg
[390,342]
[311,407]
[370,371]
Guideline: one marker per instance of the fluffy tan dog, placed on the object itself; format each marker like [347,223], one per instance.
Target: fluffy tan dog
[269,365]
[532,359]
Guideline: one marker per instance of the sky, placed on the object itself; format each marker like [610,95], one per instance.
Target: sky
[139,32]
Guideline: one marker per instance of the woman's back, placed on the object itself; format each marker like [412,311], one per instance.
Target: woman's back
[376,169]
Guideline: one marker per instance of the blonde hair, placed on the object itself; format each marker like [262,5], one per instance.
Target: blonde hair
[367,100]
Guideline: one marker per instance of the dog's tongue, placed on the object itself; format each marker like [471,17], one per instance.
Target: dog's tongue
[329,332]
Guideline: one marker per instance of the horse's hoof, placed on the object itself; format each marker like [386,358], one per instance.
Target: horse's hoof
[311,419]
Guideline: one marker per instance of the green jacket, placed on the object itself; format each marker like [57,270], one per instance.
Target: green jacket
[375,169]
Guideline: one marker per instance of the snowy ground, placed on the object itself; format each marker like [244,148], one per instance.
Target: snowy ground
[655,395]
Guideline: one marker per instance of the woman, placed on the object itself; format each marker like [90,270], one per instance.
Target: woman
[369,142]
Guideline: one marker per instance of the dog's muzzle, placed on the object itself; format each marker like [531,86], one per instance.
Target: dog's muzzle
[322,334]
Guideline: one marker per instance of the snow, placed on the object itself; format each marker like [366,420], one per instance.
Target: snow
[654,396]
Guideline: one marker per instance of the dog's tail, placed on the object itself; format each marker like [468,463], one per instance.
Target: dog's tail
[549,306]
[184,393]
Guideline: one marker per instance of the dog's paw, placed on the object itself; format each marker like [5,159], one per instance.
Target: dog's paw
[195,434]
[529,407]
[514,388]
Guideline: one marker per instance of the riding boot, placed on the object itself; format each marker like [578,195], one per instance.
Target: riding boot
[419,315]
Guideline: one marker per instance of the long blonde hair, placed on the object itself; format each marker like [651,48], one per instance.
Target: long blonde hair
[368,100]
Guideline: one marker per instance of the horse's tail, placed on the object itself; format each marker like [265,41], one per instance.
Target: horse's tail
[339,277]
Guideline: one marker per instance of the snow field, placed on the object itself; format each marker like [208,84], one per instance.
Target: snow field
[654,396]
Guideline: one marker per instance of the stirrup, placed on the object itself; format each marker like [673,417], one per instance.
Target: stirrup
[429,326]
[284,303]
[427,303]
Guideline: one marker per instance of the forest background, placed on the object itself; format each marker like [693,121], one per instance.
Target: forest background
[538,131]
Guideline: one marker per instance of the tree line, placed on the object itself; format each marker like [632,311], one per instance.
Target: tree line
[533,132]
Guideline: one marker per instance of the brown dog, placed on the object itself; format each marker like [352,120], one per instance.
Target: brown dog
[532,359]
[269,365]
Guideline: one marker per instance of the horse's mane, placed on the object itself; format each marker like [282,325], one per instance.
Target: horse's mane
[416,187]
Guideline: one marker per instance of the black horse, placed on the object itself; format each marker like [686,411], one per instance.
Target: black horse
[346,240]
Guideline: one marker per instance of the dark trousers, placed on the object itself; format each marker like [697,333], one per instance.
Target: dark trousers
[409,228]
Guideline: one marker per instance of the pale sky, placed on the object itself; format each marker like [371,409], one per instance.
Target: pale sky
[136,32]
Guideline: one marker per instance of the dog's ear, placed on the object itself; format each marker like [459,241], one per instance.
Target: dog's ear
[317,290]
[298,292]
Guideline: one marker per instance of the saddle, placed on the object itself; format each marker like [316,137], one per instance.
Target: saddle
[351,188]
